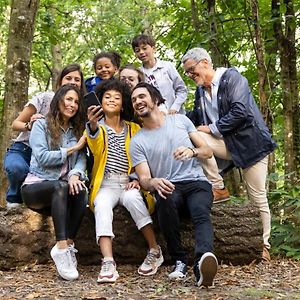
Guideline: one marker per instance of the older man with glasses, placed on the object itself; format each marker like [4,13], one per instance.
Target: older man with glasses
[229,120]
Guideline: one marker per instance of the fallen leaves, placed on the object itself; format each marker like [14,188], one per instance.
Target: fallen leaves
[279,280]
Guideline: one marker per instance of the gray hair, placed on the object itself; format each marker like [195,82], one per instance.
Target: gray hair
[196,54]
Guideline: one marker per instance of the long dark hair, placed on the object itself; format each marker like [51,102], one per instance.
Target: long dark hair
[68,69]
[116,85]
[54,118]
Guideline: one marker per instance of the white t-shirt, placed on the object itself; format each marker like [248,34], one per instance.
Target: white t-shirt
[41,102]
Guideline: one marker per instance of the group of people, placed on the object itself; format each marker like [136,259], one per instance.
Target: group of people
[139,139]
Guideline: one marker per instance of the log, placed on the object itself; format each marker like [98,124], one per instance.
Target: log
[27,237]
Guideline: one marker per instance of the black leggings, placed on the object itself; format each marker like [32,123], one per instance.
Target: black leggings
[53,197]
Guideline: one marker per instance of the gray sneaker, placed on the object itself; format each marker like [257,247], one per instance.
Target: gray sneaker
[179,271]
[108,272]
[152,262]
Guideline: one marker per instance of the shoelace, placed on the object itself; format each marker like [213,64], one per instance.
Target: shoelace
[65,259]
[73,250]
[106,266]
[179,266]
[150,258]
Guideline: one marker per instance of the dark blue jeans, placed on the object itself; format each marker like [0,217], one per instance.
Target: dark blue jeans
[197,197]
[16,164]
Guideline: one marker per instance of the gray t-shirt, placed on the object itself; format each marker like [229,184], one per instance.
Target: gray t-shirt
[156,147]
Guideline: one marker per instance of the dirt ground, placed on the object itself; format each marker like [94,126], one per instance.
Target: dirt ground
[279,280]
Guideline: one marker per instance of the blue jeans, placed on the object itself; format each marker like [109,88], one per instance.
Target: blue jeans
[197,197]
[16,163]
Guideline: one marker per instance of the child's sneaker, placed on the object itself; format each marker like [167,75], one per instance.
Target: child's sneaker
[108,272]
[208,267]
[179,271]
[63,262]
[152,262]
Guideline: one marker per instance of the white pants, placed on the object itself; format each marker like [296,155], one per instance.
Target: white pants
[111,193]
[254,177]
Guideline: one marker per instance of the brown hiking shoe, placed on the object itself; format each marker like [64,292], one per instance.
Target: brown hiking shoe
[220,195]
[266,255]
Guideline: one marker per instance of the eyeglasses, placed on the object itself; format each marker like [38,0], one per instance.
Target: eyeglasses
[191,69]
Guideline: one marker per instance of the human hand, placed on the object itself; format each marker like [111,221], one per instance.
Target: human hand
[75,185]
[183,153]
[94,114]
[33,118]
[163,186]
[134,184]
[204,128]
[172,112]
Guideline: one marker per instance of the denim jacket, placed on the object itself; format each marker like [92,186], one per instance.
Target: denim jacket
[46,163]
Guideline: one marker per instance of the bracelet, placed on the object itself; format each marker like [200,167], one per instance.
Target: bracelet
[27,124]
[194,151]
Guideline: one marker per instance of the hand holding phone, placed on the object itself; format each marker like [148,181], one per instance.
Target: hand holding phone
[91,99]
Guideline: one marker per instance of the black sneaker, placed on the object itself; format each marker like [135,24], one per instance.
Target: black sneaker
[206,269]
[179,271]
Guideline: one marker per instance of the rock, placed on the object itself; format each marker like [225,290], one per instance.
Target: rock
[27,237]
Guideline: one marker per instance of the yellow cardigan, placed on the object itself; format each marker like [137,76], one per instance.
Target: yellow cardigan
[99,149]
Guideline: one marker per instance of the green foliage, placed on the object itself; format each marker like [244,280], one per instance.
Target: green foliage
[285,207]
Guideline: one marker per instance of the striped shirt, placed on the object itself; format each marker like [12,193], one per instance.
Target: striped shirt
[117,161]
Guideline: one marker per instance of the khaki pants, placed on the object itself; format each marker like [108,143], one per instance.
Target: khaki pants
[254,178]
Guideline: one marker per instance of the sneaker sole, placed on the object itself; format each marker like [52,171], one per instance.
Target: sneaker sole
[177,277]
[220,200]
[154,270]
[109,280]
[208,267]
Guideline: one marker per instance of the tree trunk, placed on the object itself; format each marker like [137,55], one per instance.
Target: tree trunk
[218,55]
[288,73]
[21,29]
[55,51]
[27,237]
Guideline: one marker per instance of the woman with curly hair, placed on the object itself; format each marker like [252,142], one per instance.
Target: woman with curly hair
[55,182]
[111,182]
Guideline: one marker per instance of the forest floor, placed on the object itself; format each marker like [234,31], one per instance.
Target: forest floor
[278,280]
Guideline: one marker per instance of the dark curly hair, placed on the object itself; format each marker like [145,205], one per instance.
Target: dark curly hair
[114,57]
[54,119]
[153,91]
[116,85]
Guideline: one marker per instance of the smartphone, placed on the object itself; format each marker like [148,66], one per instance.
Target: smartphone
[91,99]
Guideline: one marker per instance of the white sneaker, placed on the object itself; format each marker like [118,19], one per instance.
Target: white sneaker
[11,205]
[64,264]
[208,267]
[73,250]
[152,262]
[108,272]
[179,270]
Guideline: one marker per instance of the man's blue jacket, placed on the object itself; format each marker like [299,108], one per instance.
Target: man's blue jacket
[240,122]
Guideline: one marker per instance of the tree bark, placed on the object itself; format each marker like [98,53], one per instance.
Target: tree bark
[27,237]
[287,51]
[21,29]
